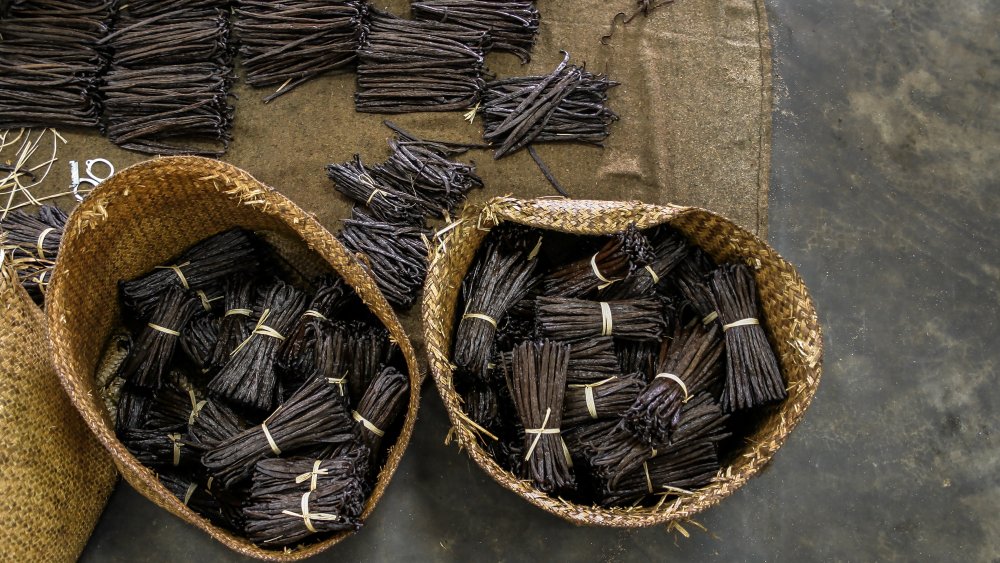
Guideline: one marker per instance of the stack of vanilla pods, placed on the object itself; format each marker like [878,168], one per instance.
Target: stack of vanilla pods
[51,59]
[265,406]
[168,86]
[590,366]
[512,24]
[417,182]
[32,241]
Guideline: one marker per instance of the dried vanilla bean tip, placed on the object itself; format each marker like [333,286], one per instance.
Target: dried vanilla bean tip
[160,449]
[515,329]
[174,408]
[133,406]
[203,266]
[407,65]
[575,319]
[288,519]
[386,203]
[669,249]
[501,277]
[568,105]
[237,318]
[396,254]
[676,470]
[624,252]
[199,339]
[214,424]
[753,377]
[538,385]
[151,356]
[282,476]
[311,416]
[637,357]
[606,399]
[512,25]
[592,359]
[250,378]
[690,362]
[292,42]
[482,405]
[380,407]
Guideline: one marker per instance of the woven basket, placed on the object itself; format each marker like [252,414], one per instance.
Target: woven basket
[142,217]
[788,313]
[54,476]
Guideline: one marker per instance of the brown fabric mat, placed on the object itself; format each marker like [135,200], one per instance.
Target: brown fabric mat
[695,107]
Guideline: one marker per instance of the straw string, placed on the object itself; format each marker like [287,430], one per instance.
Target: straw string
[741,322]
[597,272]
[196,407]
[481,317]
[607,321]
[307,517]
[244,312]
[178,273]
[538,433]
[339,382]
[676,380]
[367,424]
[588,393]
[176,439]
[652,274]
[315,314]
[41,239]
[190,491]
[270,439]
[261,329]
[312,475]
[162,329]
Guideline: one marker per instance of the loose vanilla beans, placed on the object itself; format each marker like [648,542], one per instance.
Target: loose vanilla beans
[310,416]
[150,358]
[592,360]
[277,520]
[512,25]
[608,398]
[573,319]
[34,242]
[568,105]
[690,362]
[289,43]
[250,378]
[538,385]
[201,267]
[753,377]
[396,254]
[497,281]
[408,65]
[619,257]
[383,402]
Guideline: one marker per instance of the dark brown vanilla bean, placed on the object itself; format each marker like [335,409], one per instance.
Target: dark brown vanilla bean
[701,420]
[500,278]
[624,253]
[249,378]
[237,318]
[674,471]
[355,180]
[690,362]
[369,351]
[133,405]
[580,439]
[380,407]
[199,339]
[575,319]
[203,266]
[753,377]
[691,277]
[310,416]
[592,359]
[214,424]
[288,519]
[606,399]
[149,359]
[538,386]
[482,405]
[296,355]
[638,357]
[174,408]
[669,248]
[512,25]
[282,476]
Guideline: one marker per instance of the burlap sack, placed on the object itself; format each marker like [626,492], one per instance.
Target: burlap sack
[54,476]
[141,218]
[788,313]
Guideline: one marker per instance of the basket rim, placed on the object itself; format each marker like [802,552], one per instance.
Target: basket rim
[239,188]
[532,212]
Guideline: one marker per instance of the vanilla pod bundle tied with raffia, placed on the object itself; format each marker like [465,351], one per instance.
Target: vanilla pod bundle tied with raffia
[642,436]
[229,274]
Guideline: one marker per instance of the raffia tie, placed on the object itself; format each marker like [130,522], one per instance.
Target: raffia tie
[375,192]
[176,439]
[196,407]
[652,274]
[190,491]
[206,303]
[676,380]
[178,273]
[367,424]
[163,329]
[538,433]
[481,317]
[600,276]
[741,322]
[312,475]
[710,317]
[588,393]
[308,517]
[607,321]
[315,314]
[649,482]
[261,329]
[339,382]
[270,439]
[244,312]
[40,241]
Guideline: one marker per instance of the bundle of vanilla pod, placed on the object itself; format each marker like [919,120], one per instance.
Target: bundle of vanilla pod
[617,370]
[31,241]
[264,403]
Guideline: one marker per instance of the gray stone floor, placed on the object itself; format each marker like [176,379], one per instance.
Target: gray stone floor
[885,193]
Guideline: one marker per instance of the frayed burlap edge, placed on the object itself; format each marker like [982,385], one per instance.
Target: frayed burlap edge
[789,314]
[192,192]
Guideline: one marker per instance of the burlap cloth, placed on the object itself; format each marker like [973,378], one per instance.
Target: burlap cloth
[54,476]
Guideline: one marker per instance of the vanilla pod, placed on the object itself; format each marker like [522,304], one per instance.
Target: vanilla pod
[512,25]
[482,404]
[36,235]
[151,355]
[580,439]
[669,248]
[310,416]
[236,323]
[381,406]
[592,360]
[199,339]
[203,266]
[575,319]
[605,399]
[249,378]
[691,278]
[215,423]
[160,449]
[753,377]
[288,519]
[132,408]
[701,420]
[498,279]
[620,256]
[369,351]
[673,471]
[690,362]
[538,385]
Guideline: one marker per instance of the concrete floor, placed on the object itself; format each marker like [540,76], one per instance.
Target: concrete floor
[885,193]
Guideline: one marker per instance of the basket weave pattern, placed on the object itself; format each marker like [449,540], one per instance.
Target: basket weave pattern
[142,217]
[788,312]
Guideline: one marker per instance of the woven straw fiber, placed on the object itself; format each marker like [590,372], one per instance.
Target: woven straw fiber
[141,218]
[54,476]
[788,312]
